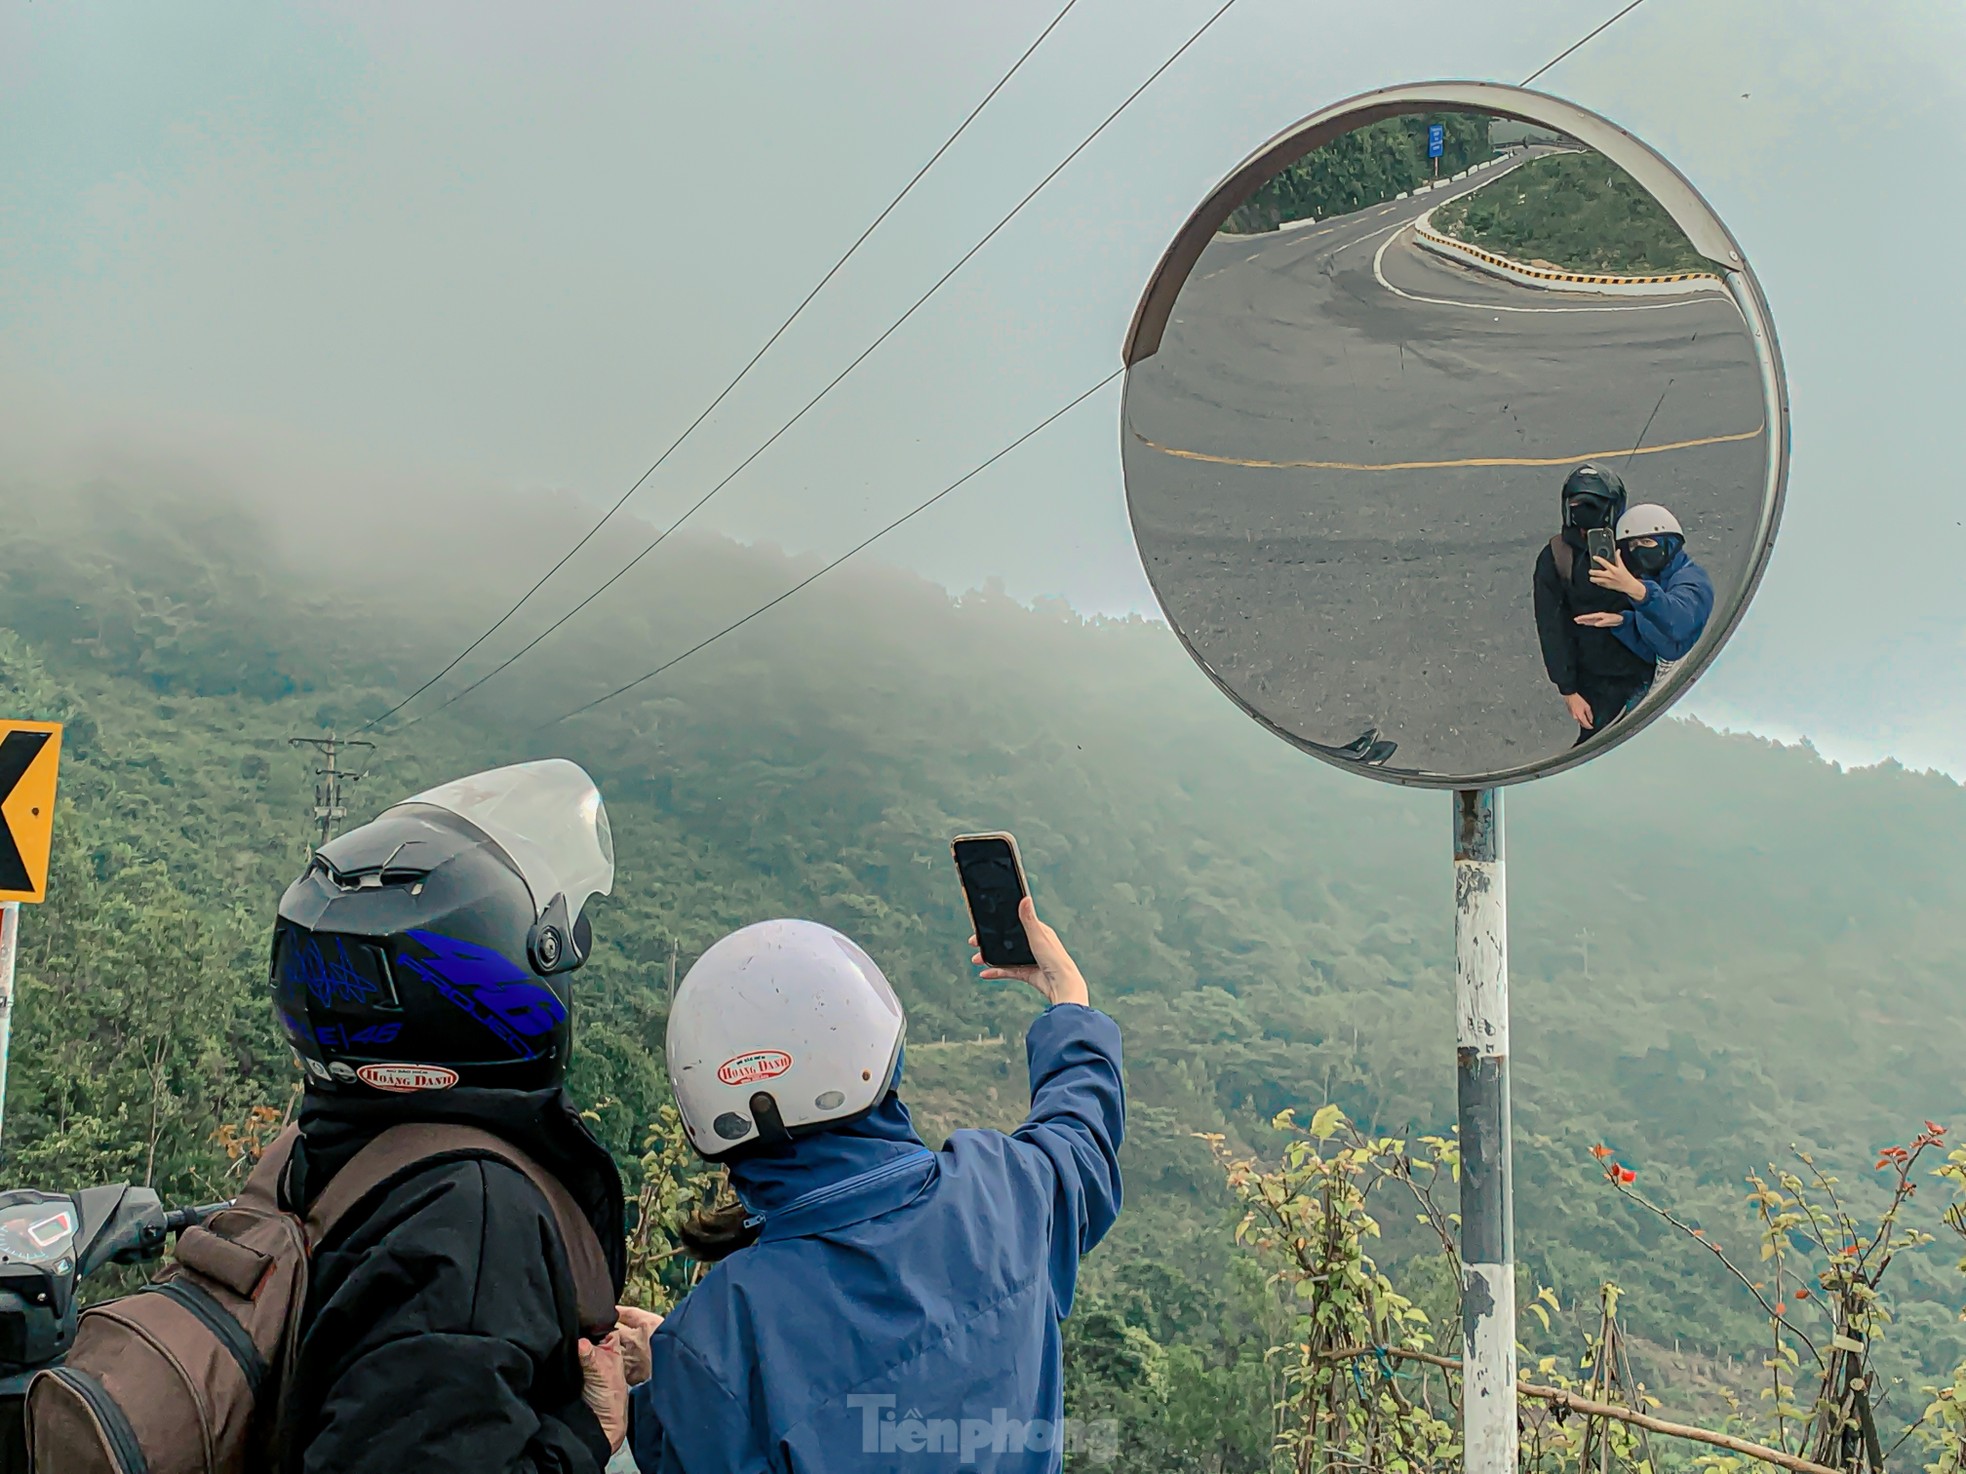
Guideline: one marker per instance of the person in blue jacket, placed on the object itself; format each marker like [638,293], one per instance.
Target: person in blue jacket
[1671,595]
[874,1304]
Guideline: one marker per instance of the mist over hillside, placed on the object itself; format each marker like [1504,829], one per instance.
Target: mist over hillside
[1719,946]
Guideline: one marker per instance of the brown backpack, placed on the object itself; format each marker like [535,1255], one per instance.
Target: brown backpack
[1563,556]
[185,1377]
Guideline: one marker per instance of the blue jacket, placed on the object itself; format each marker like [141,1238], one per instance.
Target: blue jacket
[1674,613]
[899,1301]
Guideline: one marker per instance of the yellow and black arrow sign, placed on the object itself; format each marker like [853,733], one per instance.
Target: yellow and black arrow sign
[29,754]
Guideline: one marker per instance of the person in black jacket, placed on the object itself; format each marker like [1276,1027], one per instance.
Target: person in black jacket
[419,972]
[1597,675]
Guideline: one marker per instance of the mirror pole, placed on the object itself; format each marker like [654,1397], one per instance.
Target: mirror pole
[1481,986]
[9,945]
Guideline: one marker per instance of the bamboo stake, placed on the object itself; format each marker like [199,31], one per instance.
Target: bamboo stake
[1573,1403]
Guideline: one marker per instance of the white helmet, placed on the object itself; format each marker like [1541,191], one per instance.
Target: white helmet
[1648,519]
[780,1026]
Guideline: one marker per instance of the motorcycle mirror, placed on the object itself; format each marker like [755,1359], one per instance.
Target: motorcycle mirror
[120,1224]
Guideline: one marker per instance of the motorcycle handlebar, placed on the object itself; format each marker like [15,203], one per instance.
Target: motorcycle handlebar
[177,1220]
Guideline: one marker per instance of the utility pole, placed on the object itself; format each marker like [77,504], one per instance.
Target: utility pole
[1481,985]
[328,778]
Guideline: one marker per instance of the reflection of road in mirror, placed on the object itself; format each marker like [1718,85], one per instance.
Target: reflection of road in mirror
[1347,453]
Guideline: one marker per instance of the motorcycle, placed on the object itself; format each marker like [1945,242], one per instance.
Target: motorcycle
[49,1244]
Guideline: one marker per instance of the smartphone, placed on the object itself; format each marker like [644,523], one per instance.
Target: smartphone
[993,883]
[1600,543]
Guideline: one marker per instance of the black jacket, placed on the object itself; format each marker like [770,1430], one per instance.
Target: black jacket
[440,1332]
[1578,655]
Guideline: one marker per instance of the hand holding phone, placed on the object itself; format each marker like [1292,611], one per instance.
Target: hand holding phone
[1000,905]
[992,877]
[1055,975]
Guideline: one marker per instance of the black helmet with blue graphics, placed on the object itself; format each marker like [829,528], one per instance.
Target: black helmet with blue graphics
[431,947]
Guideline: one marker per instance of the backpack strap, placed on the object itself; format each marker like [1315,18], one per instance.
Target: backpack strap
[262,1189]
[423,1143]
[1564,556]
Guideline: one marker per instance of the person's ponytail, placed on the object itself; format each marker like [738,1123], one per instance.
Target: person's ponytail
[716,1232]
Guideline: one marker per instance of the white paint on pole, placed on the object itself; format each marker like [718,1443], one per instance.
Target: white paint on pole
[1481,956]
[1481,988]
[1488,1395]
[9,945]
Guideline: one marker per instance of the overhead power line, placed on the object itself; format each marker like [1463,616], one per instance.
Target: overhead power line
[859,359]
[912,512]
[1569,51]
[742,373]
[953,486]
[738,624]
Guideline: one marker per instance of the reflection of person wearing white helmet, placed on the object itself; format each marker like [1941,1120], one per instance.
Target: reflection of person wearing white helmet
[871,1296]
[1671,595]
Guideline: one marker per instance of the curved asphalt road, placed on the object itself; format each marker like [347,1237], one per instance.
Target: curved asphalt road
[1370,591]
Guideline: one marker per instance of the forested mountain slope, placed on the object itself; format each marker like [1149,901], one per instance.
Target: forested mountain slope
[1719,946]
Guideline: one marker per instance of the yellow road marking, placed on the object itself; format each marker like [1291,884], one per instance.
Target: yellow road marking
[1569,460]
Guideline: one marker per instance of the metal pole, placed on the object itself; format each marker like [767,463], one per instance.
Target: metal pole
[1481,987]
[327,810]
[9,945]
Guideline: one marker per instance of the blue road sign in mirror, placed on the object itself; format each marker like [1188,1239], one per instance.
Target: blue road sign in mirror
[1454,483]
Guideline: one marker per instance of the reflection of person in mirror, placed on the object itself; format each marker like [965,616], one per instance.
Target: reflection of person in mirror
[1598,675]
[1671,597]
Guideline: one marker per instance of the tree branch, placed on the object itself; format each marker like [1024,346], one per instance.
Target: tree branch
[1557,1397]
[1714,1249]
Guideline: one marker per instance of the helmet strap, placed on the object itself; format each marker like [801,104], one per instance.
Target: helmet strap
[771,1126]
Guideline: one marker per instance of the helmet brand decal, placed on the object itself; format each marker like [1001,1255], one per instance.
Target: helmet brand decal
[762,1064]
[493,989]
[328,971]
[401,1079]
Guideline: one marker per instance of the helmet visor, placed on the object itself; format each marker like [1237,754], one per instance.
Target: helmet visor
[548,818]
[1589,509]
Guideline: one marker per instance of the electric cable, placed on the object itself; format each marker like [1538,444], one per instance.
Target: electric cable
[1571,50]
[914,511]
[960,481]
[828,568]
[742,373]
[862,357]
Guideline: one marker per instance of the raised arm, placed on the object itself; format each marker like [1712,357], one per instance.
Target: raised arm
[1078,1101]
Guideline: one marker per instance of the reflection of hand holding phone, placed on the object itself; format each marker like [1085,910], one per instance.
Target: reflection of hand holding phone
[993,883]
[1600,543]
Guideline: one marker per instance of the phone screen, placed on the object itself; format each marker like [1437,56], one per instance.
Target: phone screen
[990,881]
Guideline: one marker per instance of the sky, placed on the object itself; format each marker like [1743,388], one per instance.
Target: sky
[508,247]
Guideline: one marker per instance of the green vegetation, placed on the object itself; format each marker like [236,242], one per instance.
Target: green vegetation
[1574,211]
[1364,167]
[1719,947]
[1363,1384]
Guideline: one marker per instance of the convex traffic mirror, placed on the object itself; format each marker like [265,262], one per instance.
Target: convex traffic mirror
[1454,434]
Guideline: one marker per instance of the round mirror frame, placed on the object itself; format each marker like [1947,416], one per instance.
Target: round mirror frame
[1674,193]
